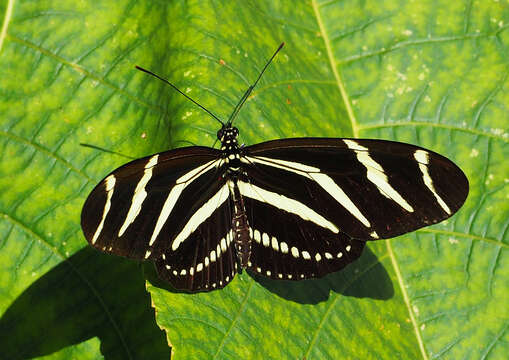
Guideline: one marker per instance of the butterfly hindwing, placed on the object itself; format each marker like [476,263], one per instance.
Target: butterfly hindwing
[206,260]
[286,246]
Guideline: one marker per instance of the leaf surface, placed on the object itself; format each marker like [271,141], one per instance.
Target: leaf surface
[428,73]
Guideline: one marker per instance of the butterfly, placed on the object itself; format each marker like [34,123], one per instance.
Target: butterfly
[288,209]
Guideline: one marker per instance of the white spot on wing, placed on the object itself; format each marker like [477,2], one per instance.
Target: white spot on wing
[257,236]
[274,244]
[284,247]
[295,252]
[266,240]
[422,157]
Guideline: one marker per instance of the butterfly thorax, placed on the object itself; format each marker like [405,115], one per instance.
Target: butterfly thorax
[231,153]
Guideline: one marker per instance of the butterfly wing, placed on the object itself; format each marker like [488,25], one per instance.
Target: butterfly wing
[206,260]
[287,246]
[173,204]
[322,195]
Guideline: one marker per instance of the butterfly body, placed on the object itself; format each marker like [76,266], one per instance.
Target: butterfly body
[231,154]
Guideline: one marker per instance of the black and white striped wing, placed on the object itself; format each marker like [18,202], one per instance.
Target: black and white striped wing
[319,197]
[172,202]
[206,260]
[288,245]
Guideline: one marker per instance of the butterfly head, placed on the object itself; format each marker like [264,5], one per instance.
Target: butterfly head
[228,136]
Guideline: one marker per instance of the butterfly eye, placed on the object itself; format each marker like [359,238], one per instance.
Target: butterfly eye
[220,133]
[235,131]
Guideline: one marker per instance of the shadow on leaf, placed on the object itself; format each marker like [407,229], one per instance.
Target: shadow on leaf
[364,278]
[89,295]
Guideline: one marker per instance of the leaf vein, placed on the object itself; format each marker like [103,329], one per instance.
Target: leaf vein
[82,70]
[45,151]
[502,137]
[332,303]
[406,299]
[235,320]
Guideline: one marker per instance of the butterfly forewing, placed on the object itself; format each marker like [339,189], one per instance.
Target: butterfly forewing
[139,209]
[369,189]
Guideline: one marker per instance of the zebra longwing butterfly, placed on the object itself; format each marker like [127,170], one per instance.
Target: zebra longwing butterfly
[288,209]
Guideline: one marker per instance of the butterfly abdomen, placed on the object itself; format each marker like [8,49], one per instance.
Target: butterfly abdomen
[240,227]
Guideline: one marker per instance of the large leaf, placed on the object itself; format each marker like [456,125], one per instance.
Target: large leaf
[428,73]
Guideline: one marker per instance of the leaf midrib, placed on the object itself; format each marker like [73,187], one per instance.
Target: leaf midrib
[334,69]
[355,131]
[7,20]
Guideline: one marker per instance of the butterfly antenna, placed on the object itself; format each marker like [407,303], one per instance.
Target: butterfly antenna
[173,86]
[105,150]
[250,88]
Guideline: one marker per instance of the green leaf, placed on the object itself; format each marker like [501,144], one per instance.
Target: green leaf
[428,73]
[86,350]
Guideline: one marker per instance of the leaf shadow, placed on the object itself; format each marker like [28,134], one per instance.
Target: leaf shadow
[89,295]
[364,278]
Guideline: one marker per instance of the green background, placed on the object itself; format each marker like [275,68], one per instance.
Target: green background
[431,73]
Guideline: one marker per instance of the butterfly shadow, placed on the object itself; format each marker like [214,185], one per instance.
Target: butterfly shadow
[88,295]
[364,278]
